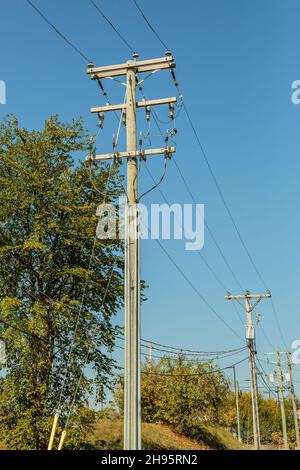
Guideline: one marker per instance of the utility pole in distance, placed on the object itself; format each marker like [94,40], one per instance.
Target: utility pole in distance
[281,399]
[280,395]
[132,373]
[250,337]
[293,398]
[237,404]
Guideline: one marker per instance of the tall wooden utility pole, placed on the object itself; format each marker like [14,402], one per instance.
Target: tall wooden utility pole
[132,394]
[250,337]
[293,398]
[281,400]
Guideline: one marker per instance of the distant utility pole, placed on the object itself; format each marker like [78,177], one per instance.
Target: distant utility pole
[281,396]
[293,398]
[150,348]
[132,374]
[237,404]
[250,337]
[281,399]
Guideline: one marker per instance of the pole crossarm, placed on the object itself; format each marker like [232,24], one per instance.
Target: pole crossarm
[248,296]
[139,104]
[141,66]
[134,154]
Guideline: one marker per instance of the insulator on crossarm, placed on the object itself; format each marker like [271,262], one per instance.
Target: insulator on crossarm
[100,120]
[124,117]
[148,113]
[166,138]
[114,143]
[171,111]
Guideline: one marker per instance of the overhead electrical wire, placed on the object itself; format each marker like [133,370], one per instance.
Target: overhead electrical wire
[186,277]
[150,25]
[206,225]
[72,405]
[214,371]
[228,210]
[176,348]
[221,194]
[71,346]
[262,379]
[189,281]
[189,118]
[67,40]
[171,259]
[98,9]
[199,358]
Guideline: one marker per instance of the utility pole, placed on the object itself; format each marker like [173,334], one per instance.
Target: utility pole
[250,338]
[293,398]
[237,404]
[281,400]
[150,348]
[132,301]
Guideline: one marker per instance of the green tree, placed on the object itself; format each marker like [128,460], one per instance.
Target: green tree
[47,227]
[269,419]
[182,393]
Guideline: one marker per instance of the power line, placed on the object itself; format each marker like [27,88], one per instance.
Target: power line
[215,371]
[71,346]
[216,181]
[128,45]
[111,25]
[261,377]
[192,285]
[205,223]
[70,43]
[188,280]
[150,25]
[192,351]
[210,268]
[195,289]
[126,42]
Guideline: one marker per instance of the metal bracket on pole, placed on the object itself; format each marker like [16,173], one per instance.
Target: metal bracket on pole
[139,104]
[135,154]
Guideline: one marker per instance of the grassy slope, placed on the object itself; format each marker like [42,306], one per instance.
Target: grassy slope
[109,434]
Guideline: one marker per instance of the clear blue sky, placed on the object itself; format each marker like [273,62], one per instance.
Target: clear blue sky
[236,61]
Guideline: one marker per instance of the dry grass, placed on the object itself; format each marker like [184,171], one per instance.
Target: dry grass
[108,434]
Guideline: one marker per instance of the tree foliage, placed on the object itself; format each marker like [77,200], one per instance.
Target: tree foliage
[47,227]
[269,419]
[181,393]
